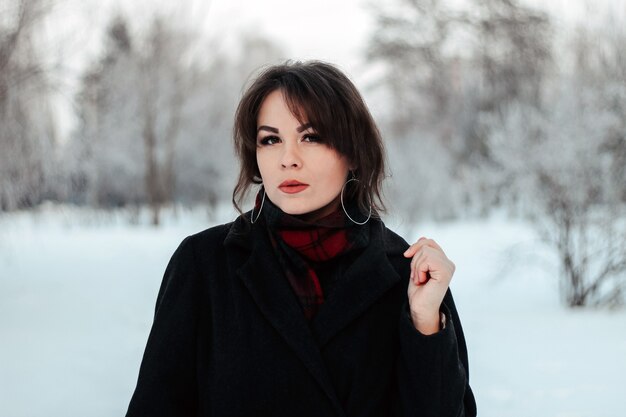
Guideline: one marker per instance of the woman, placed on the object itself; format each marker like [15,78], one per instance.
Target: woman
[307,305]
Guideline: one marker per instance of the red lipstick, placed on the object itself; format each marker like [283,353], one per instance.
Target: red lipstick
[292,186]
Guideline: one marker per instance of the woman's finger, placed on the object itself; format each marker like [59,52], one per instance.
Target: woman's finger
[412,250]
[422,258]
[422,272]
[417,258]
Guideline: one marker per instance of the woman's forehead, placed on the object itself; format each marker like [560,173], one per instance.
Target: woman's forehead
[278,99]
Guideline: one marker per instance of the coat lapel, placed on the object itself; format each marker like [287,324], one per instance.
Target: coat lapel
[257,266]
[363,283]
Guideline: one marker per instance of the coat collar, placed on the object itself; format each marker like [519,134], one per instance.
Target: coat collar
[364,282]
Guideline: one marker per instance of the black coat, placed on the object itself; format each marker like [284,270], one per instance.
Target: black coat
[230,339]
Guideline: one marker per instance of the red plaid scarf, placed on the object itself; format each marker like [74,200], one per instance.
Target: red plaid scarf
[302,246]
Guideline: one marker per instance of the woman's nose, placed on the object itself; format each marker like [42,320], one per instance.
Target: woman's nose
[290,157]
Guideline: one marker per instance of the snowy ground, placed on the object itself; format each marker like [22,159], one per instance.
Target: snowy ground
[77,293]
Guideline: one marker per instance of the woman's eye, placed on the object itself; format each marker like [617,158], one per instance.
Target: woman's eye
[268,140]
[312,138]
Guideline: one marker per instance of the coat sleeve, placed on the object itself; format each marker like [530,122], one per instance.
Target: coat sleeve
[166,385]
[433,376]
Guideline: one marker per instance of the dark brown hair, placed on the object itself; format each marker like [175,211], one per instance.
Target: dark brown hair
[318,93]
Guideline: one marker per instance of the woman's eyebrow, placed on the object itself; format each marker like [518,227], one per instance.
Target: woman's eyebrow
[268,128]
[304,127]
[274,130]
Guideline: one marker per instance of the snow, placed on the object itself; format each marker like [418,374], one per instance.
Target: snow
[77,293]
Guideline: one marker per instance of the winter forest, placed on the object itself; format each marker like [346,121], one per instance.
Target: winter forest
[505,129]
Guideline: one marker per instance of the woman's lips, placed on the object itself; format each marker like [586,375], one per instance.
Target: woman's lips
[292,189]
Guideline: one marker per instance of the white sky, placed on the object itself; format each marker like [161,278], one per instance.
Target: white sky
[324,29]
[333,30]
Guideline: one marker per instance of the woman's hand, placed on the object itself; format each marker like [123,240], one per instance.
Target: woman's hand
[431,272]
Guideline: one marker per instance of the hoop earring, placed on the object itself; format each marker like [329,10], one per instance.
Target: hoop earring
[344,207]
[260,208]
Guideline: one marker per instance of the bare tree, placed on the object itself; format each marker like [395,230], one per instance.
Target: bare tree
[513,51]
[105,154]
[446,66]
[563,175]
[434,52]
[411,39]
[27,134]
[156,117]
[164,86]
[590,241]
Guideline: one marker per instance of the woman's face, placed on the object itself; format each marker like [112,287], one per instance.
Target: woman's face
[301,175]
